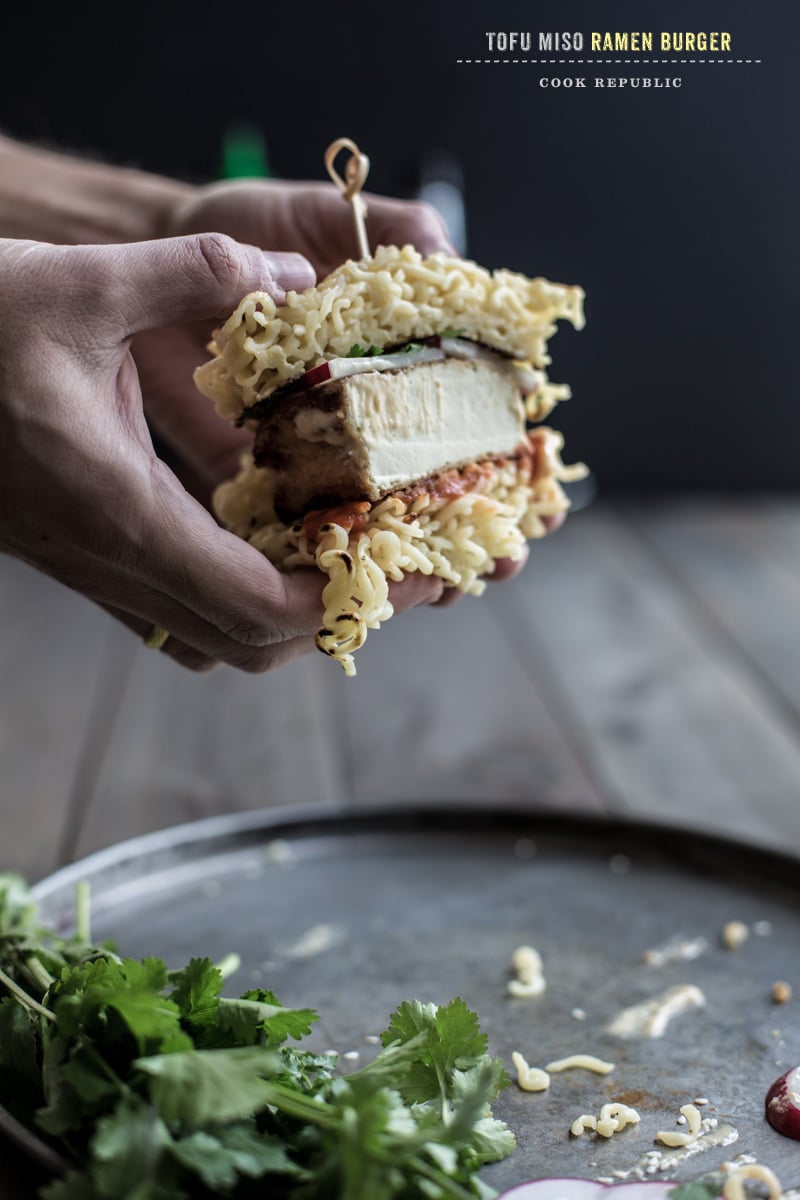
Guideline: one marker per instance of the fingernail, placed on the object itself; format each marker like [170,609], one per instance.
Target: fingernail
[291,272]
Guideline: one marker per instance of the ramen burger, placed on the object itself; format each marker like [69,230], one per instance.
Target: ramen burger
[395,409]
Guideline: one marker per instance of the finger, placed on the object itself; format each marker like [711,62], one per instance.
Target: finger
[291,270]
[187,656]
[149,284]
[449,597]
[246,611]
[397,222]
[414,590]
[554,521]
[187,421]
[507,568]
[183,644]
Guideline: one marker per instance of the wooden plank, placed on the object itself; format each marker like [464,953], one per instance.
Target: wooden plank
[742,562]
[443,709]
[673,723]
[52,647]
[187,746]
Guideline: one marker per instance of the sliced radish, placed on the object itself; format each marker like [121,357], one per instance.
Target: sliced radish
[464,348]
[436,349]
[586,1189]
[317,375]
[783,1104]
[340,368]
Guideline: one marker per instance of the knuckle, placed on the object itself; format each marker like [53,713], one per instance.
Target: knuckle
[260,661]
[220,255]
[191,660]
[259,664]
[248,633]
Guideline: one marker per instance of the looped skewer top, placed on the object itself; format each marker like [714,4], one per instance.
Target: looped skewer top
[356,171]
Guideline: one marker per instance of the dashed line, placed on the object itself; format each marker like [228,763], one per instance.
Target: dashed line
[637,61]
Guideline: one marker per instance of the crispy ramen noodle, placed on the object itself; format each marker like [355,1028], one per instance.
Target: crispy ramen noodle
[669,1137]
[733,1188]
[530,1079]
[586,1062]
[457,539]
[613,1118]
[385,300]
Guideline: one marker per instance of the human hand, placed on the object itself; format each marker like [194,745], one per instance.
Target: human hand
[308,219]
[83,496]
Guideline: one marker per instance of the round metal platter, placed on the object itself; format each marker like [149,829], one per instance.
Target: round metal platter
[353,912]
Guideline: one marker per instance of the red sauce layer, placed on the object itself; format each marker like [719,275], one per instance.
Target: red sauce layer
[447,485]
[352,516]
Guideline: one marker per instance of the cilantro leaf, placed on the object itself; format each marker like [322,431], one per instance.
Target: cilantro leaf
[260,1012]
[128,1147]
[75,1185]
[471,1121]
[357,351]
[196,991]
[208,1087]
[452,333]
[62,1111]
[449,1037]
[697,1189]
[87,1078]
[18,1042]
[147,1017]
[230,1152]
[131,988]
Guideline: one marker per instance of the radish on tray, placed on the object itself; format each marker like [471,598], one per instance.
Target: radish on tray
[783,1104]
[587,1189]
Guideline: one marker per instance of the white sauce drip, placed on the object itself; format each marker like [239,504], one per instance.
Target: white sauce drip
[650,1018]
[314,941]
[675,950]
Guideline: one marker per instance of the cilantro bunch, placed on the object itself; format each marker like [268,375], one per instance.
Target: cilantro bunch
[153,1086]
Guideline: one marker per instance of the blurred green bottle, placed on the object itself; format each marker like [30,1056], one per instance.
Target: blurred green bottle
[244,153]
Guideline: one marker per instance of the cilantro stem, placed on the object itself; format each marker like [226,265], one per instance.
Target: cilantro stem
[228,965]
[94,1053]
[441,1180]
[23,997]
[295,1104]
[445,1107]
[39,972]
[83,926]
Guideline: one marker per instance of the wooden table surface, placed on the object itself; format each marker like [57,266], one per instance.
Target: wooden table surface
[646,663]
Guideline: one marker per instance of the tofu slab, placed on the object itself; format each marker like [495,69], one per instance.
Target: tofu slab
[362,437]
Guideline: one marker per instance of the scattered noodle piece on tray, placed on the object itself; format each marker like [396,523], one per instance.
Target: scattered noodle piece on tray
[733,1188]
[530,1079]
[613,1118]
[586,1062]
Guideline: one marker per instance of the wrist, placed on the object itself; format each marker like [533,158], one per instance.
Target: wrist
[51,197]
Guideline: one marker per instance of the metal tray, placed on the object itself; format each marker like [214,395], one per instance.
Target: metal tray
[432,903]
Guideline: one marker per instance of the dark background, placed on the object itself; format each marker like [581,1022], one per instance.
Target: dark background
[676,210]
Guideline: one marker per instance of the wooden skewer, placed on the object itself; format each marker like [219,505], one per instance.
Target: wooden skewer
[355,176]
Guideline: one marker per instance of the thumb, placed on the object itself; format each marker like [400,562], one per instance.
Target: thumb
[145,285]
